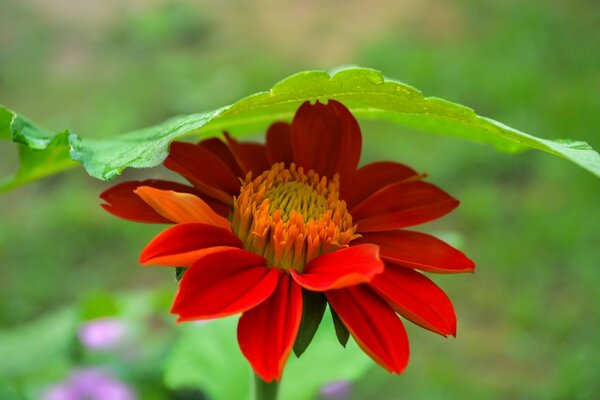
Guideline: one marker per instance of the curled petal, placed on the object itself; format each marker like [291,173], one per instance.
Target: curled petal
[418,250]
[400,205]
[417,298]
[373,324]
[279,144]
[266,333]
[121,200]
[341,268]
[181,207]
[372,177]
[207,172]
[251,157]
[326,138]
[183,244]
[223,283]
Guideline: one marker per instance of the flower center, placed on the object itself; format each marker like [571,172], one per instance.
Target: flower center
[290,217]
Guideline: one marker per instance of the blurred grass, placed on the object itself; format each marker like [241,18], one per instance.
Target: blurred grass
[528,318]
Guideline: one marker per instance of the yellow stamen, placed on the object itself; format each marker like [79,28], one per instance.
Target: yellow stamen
[291,217]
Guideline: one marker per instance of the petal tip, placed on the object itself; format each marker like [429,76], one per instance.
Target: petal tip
[144,259]
[469,265]
[140,190]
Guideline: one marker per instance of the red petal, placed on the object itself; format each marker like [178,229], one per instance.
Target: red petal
[182,244]
[266,333]
[402,204]
[181,207]
[373,324]
[417,298]
[209,174]
[251,157]
[279,144]
[326,138]
[372,177]
[341,268]
[418,250]
[122,202]
[224,283]
[222,151]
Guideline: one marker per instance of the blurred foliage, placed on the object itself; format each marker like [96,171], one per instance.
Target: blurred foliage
[528,318]
[208,355]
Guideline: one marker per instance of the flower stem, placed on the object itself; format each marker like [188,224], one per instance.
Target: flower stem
[264,390]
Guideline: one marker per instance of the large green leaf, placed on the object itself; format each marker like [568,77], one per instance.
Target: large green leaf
[41,153]
[365,91]
[208,357]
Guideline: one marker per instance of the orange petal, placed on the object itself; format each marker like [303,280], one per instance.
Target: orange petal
[122,202]
[181,207]
[266,333]
[182,244]
[417,298]
[401,205]
[279,144]
[220,149]
[224,283]
[341,268]
[251,157]
[419,251]
[373,324]
[326,138]
[372,177]
[205,170]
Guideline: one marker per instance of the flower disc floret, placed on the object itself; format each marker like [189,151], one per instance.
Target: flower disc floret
[290,217]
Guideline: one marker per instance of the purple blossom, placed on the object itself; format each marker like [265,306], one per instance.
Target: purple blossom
[102,334]
[336,390]
[90,384]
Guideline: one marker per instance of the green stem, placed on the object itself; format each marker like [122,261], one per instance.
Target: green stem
[264,390]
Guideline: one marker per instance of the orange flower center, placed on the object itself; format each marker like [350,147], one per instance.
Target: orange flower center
[290,217]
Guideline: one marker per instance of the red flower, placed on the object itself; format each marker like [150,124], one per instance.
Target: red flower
[262,226]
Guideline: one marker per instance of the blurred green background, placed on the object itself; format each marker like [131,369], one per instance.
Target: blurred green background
[529,318]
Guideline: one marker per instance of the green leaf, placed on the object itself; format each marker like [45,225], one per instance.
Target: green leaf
[313,308]
[208,357]
[340,329]
[365,91]
[106,158]
[41,153]
[179,271]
